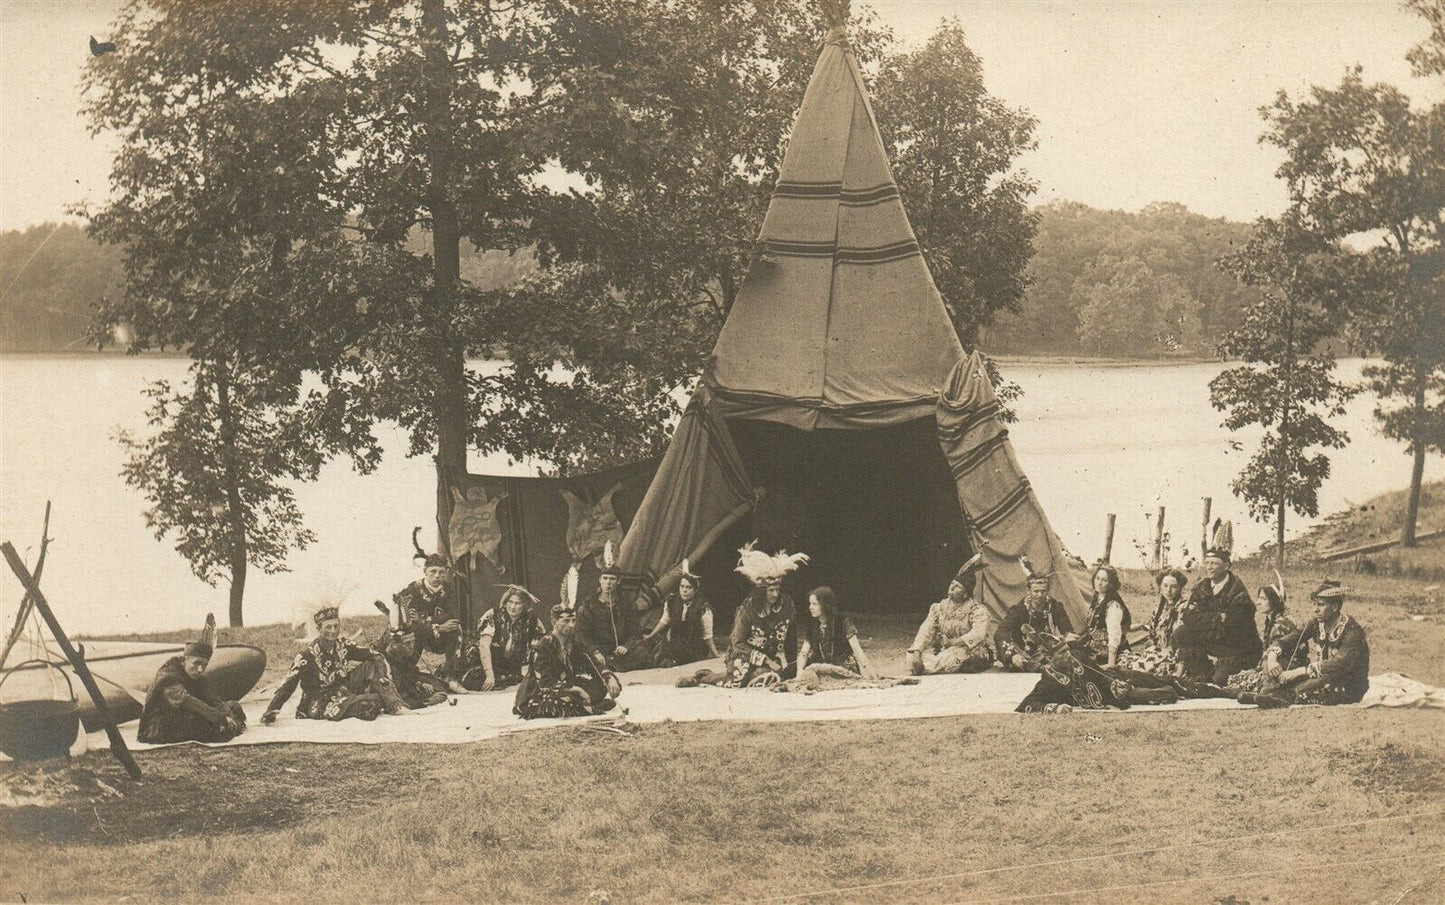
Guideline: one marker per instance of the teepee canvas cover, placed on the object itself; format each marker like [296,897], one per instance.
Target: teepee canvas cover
[838,415]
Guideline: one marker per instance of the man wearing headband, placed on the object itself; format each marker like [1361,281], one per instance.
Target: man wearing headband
[417,687]
[427,610]
[1021,650]
[956,631]
[608,624]
[338,679]
[566,678]
[1338,671]
[181,707]
[1217,636]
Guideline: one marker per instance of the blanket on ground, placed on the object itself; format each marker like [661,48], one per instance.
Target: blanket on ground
[649,697]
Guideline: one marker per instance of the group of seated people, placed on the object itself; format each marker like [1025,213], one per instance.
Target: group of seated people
[1205,643]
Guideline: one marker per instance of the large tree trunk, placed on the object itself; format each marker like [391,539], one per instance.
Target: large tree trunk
[235,506]
[1417,471]
[449,407]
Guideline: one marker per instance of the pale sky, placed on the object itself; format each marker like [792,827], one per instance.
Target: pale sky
[1136,102]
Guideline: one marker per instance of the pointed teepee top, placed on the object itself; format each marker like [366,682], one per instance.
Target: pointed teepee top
[839,323]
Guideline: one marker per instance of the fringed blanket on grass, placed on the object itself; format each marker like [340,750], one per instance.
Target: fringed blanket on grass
[650,697]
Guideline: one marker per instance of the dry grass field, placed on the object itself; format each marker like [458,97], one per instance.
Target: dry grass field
[1309,804]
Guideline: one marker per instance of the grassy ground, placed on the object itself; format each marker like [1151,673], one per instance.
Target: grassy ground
[1313,804]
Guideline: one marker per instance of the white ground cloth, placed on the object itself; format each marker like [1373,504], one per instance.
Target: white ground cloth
[650,697]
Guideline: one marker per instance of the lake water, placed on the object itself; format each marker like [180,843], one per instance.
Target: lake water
[1093,439]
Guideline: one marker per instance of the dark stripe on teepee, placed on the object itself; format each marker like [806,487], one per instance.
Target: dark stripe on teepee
[1003,510]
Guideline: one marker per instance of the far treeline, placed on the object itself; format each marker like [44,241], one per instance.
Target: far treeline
[1099,283]
[332,207]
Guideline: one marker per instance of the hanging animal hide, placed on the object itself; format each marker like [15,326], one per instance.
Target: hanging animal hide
[590,525]
[474,527]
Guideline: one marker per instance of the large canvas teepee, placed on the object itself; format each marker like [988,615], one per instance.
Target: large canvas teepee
[839,416]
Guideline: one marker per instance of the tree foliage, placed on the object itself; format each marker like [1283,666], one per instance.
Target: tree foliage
[1078,251]
[1365,166]
[954,149]
[53,277]
[1286,384]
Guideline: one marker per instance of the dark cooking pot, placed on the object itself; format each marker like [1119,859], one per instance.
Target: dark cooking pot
[41,729]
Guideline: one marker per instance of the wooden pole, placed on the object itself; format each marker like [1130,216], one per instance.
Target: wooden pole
[1159,540]
[117,744]
[1204,528]
[25,602]
[1109,537]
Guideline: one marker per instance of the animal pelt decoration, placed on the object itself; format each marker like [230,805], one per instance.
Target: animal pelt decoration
[473,527]
[591,525]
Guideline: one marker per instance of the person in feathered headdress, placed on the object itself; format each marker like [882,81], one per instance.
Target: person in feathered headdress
[608,623]
[765,618]
[956,634]
[684,631]
[566,677]
[1217,636]
[1045,616]
[338,678]
[427,609]
[505,635]
[1338,666]
[181,707]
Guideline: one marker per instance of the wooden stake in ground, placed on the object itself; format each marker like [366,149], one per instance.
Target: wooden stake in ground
[1109,537]
[117,744]
[1204,528]
[25,602]
[1159,540]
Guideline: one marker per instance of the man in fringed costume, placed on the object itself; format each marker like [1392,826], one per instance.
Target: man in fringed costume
[1017,649]
[565,677]
[757,653]
[955,633]
[428,612]
[1217,636]
[338,679]
[181,707]
[1338,671]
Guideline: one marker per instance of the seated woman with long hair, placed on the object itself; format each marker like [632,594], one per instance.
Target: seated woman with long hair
[1107,628]
[828,637]
[1277,624]
[1156,654]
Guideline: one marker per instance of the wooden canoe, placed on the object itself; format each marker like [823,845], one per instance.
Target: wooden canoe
[124,671]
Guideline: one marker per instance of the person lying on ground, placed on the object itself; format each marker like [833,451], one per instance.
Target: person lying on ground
[1018,650]
[1277,624]
[956,632]
[1155,654]
[684,631]
[608,624]
[565,676]
[182,707]
[505,635]
[427,610]
[417,687]
[338,679]
[1108,624]
[1216,636]
[830,637]
[1072,679]
[1338,670]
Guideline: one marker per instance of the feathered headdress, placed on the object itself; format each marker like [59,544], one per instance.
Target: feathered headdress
[419,557]
[1222,544]
[567,594]
[1032,574]
[759,567]
[204,646]
[973,564]
[1279,586]
[609,560]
